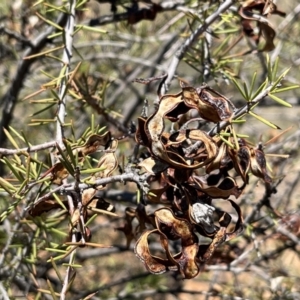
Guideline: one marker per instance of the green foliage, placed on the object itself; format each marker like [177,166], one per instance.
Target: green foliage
[69,152]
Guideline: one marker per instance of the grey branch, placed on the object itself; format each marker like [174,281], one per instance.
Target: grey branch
[184,47]
[113,18]
[67,55]
[29,149]
[140,180]
[9,99]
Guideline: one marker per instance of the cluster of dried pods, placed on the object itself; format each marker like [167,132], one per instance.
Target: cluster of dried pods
[255,23]
[189,170]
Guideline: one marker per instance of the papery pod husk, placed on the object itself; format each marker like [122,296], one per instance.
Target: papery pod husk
[177,161]
[57,173]
[224,218]
[224,221]
[175,114]
[239,226]
[143,218]
[241,161]
[93,143]
[183,262]
[47,205]
[269,35]
[88,195]
[210,148]
[209,143]
[248,11]
[259,166]
[155,195]
[173,158]
[266,7]
[75,217]
[173,227]
[127,228]
[192,100]
[226,188]
[176,138]
[218,102]
[153,166]
[101,204]
[154,264]
[172,196]
[218,239]
[217,161]
[140,136]
[109,162]
[187,261]
[210,108]
[154,126]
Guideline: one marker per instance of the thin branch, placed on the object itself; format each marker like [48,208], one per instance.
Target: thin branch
[67,55]
[291,17]
[135,102]
[27,150]
[156,61]
[140,180]
[187,44]
[3,292]
[112,284]
[127,58]
[9,99]
[11,234]
[288,234]
[16,36]
[63,89]
[69,273]
[114,18]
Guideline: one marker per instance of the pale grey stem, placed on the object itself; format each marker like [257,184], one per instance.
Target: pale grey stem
[140,180]
[11,233]
[10,98]
[29,149]
[68,272]
[3,292]
[289,234]
[183,49]
[67,55]
[288,19]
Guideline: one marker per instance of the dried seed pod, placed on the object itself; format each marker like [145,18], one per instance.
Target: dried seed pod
[211,108]
[93,143]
